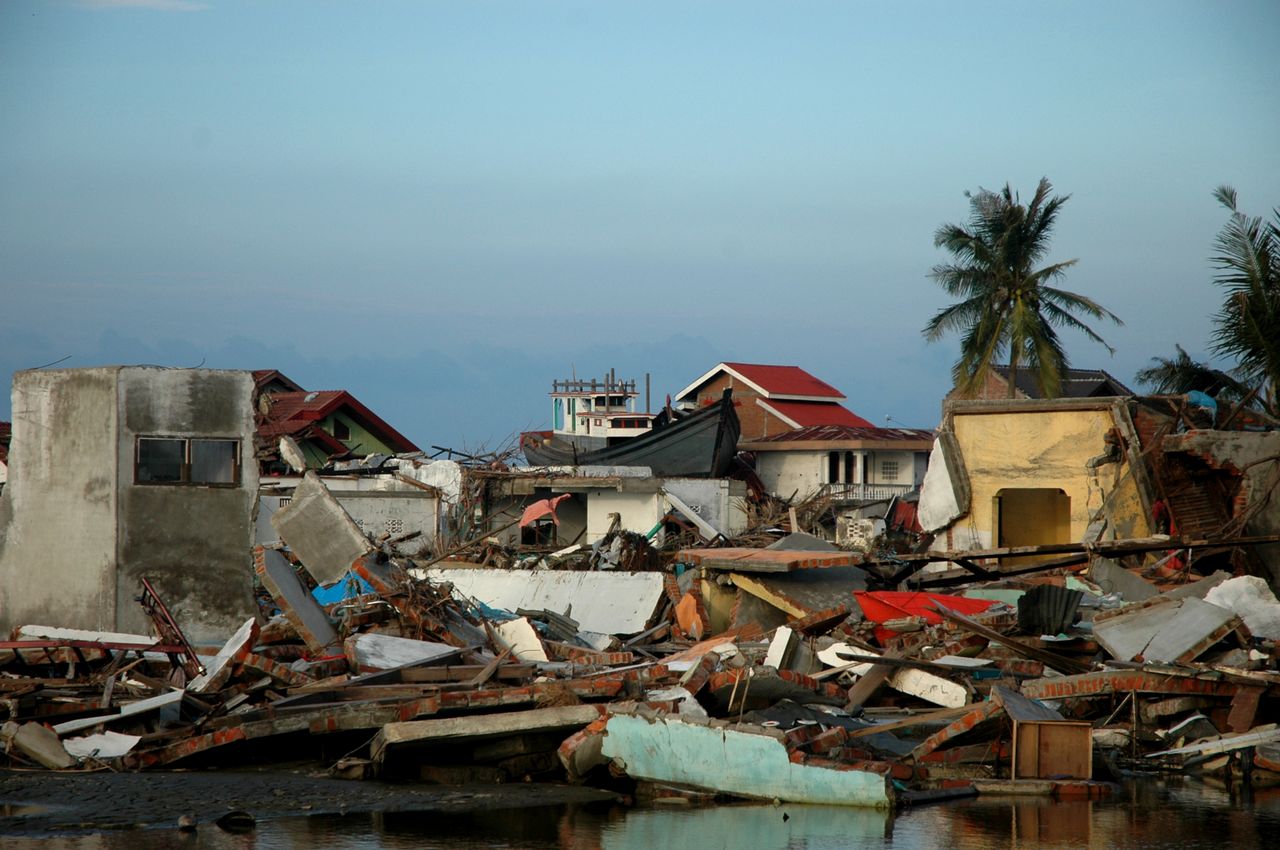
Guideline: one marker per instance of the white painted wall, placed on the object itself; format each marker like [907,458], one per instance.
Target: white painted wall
[376,512]
[784,473]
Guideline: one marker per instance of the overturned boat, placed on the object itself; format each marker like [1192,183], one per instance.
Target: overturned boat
[699,444]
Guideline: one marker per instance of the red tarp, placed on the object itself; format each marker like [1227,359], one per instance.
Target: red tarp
[880,606]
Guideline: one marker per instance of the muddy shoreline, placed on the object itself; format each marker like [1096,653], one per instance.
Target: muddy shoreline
[41,802]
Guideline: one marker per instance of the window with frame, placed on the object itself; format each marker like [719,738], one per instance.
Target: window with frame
[889,470]
[183,460]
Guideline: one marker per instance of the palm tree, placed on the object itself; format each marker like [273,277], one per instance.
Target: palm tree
[1180,374]
[1247,327]
[1007,306]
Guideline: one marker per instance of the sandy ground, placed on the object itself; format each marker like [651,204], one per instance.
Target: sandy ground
[39,802]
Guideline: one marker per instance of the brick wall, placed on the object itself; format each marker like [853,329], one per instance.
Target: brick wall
[755,420]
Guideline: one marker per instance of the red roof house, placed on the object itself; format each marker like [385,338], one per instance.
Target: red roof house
[772,399]
[325,424]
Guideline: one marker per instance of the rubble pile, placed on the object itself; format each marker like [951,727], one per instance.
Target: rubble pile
[756,672]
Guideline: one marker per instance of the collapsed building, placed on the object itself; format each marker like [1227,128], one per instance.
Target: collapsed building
[1086,595]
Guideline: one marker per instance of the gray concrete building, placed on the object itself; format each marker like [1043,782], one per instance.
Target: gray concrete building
[122,472]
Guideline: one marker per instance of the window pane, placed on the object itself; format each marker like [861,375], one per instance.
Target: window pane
[160,460]
[213,461]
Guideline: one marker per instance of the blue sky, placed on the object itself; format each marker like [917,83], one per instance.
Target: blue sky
[443,206]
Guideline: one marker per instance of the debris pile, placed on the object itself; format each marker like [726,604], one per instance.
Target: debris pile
[795,671]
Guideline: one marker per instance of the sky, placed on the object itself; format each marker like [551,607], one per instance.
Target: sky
[443,206]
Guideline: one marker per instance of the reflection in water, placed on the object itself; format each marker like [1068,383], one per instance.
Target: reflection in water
[1146,816]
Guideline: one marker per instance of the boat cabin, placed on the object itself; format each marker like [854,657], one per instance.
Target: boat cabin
[604,410]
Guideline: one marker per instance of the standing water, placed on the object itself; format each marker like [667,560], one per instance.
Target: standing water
[1145,816]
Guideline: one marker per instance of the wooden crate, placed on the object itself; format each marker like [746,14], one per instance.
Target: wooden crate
[1052,749]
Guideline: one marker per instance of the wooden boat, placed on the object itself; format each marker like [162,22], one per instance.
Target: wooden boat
[701,444]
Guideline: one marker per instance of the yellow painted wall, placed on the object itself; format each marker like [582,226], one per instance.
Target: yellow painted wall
[1045,449]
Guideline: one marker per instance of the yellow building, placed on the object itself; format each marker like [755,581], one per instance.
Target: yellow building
[1026,472]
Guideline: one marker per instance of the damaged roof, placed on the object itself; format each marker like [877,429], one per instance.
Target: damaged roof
[293,413]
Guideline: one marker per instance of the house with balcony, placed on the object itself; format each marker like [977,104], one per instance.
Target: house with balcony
[846,463]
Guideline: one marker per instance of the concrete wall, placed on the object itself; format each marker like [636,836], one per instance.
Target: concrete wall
[1036,449]
[754,420]
[193,542]
[58,509]
[784,473]
[79,534]
[376,512]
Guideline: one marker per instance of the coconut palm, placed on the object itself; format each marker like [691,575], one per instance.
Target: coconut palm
[1180,374]
[1247,327]
[1007,306]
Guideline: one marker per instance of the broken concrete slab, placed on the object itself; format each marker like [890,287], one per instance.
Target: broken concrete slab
[803,592]
[1163,629]
[1113,578]
[395,736]
[372,652]
[219,670]
[746,560]
[36,743]
[168,700]
[295,601]
[802,541]
[522,639]
[320,531]
[745,761]
[605,602]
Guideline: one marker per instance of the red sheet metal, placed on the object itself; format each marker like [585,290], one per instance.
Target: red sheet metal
[880,606]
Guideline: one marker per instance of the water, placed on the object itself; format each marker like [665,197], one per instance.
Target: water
[1146,816]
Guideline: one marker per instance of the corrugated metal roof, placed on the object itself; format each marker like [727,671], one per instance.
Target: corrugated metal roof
[1077,383]
[835,433]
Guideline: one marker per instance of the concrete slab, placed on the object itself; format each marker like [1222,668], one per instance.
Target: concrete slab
[522,639]
[38,744]
[450,730]
[373,652]
[295,601]
[219,670]
[320,532]
[605,602]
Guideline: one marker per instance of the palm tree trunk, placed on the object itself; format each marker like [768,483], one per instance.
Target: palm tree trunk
[1013,375]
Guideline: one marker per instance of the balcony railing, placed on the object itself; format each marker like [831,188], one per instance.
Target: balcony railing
[864,492]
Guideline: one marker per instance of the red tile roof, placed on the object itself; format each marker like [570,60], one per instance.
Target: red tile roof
[821,413]
[294,413]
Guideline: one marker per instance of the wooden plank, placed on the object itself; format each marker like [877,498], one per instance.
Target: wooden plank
[928,718]
[1057,662]
[978,713]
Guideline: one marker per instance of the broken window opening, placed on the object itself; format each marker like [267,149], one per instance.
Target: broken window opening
[340,430]
[172,460]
